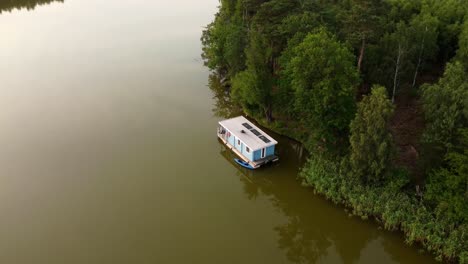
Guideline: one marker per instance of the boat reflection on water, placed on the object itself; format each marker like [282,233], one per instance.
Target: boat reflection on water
[313,230]
[316,230]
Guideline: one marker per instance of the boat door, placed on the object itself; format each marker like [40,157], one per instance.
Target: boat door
[263,153]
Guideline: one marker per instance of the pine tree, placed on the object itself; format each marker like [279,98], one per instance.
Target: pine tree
[371,142]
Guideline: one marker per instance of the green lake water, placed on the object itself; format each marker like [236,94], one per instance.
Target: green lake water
[108,151]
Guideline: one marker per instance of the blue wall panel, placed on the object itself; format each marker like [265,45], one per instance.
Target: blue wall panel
[238,147]
[248,155]
[270,151]
[231,140]
[253,155]
[257,154]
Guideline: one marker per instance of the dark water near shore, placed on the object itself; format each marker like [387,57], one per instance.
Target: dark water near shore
[109,151]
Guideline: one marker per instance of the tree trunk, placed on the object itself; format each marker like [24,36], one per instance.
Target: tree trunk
[268,113]
[416,72]
[397,69]
[466,190]
[421,52]
[361,54]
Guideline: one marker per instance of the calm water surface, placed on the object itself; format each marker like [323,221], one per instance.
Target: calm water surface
[109,153]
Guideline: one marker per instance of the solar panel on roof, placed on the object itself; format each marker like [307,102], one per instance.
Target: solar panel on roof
[246,125]
[266,140]
[255,132]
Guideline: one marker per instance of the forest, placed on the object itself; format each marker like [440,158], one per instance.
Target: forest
[377,91]
[8,5]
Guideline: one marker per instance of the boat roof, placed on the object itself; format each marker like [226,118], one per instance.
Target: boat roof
[253,136]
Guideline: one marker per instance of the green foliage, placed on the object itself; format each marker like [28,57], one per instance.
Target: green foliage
[446,106]
[297,26]
[269,18]
[224,41]
[252,87]
[389,205]
[224,105]
[424,33]
[360,24]
[462,53]
[360,20]
[213,40]
[398,49]
[27,4]
[402,10]
[324,78]
[451,14]
[324,176]
[371,143]
[447,186]
[284,59]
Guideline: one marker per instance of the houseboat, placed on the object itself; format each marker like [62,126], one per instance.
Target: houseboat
[253,146]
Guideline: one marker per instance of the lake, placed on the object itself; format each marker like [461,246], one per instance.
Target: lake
[109,151]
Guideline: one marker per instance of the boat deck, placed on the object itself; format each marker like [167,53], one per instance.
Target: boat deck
[256,164]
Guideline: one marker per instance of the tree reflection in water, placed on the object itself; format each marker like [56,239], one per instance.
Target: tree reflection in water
[224,107]
[313,225]
[23,4]
[315,229]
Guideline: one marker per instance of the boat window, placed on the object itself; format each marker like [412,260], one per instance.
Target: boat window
[238,142]
[247,149]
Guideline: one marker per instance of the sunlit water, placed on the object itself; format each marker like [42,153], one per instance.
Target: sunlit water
[108,151]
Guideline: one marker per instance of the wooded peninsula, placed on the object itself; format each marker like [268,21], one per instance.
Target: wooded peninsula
[377,91]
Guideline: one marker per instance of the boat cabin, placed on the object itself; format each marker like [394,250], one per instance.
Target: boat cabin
[246,140]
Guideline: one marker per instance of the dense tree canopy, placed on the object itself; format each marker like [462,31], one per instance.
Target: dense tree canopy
[446,106]
[462,53]
[301,67]
[448,186]
[360,22]
[252,87]
[9,5]
[324,79]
